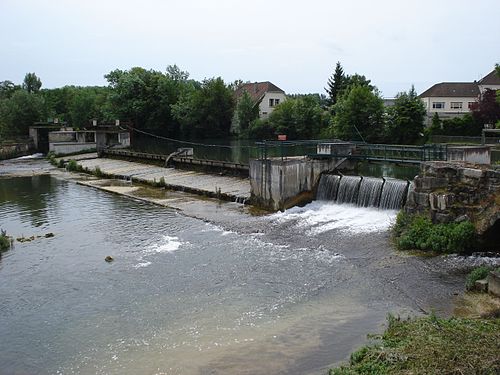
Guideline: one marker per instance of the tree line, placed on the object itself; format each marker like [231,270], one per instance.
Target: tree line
[169,103]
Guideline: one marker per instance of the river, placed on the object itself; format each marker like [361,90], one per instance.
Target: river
[202,288]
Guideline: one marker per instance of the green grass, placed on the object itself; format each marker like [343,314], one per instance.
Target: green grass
[416,232]
[430,345]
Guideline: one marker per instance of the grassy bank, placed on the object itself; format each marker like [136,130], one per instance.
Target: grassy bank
[430,345]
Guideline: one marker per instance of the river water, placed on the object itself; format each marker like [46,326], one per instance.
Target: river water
[205,288]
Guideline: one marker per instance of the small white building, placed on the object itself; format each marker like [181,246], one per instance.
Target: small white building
[265,94]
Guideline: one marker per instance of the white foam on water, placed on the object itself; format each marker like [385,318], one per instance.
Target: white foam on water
[142,264]
[320,217]
[216,228]
[33,156]
[167,245]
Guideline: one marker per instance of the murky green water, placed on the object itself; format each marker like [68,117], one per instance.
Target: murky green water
[230,294]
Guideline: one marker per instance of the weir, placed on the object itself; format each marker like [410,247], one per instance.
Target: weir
[383,193]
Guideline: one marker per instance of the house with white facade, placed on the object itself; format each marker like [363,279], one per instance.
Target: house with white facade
[265,94]
[452,99]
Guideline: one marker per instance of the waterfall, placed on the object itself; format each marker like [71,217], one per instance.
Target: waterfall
[393,194]
[328,187]
[348,189]
[386,193]
[369,193]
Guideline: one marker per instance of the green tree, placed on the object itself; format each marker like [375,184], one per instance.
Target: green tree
[336,84]
[405,120]
[205,110]
[247,111]
[301,117]
[7,89]
[359,115]
[19,112]
[32,83]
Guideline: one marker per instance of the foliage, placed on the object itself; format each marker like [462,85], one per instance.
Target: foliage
[4,240]
[73,166]
[98,172]
[405,120]
[247,111]
[359,115]
[476,274]
[206,110]
[32,83]
[487,109]
[336,84]
[464,125]
[419,233]
[19,112]
[300,118]
[260,129]
[7,88]
[430,345]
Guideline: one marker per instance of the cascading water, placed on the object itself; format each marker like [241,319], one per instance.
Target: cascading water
[348,189]
[328,187]
[393,194]
[369,193]
[387,193]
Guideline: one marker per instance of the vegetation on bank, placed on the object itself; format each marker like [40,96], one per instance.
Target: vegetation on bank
[5,240]
[430,345]
[476,274]
[171,104]
[417,232]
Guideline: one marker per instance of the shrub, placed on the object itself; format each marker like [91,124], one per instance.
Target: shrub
[476,274]
[4,240]
[98,172]
[419,233]
[73,166]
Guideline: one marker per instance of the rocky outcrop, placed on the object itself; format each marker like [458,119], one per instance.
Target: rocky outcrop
[457,191]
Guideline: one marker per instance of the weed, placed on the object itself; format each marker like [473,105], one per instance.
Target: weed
[4,240]
[476,274]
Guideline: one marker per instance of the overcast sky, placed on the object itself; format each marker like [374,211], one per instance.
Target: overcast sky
[294,44]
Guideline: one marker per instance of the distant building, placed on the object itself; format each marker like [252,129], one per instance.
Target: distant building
[265,94]
[452,99]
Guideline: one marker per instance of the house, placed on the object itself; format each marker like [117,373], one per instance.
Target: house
[452,99]
[265,94]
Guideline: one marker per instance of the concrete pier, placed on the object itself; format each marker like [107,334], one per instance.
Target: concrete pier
[280,184]
[223,187]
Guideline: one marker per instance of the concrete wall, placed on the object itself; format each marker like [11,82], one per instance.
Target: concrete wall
[471,154]
[279,184]
[63,148]
[14,150]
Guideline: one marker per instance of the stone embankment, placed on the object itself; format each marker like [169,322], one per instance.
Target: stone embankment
[16,149]
[457,191]
[222,187]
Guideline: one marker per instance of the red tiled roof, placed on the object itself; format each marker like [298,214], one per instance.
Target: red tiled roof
[452,89]
[490,79]
[256,90]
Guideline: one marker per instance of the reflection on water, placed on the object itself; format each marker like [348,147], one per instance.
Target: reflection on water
[286,293]
[30,196]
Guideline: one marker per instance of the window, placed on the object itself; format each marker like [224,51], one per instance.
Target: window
[273,102]
[456,105]
[437,105]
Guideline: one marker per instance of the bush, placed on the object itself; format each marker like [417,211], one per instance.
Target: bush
[73,166]
[98,172]
[419,233]
[476,274]
[4,240]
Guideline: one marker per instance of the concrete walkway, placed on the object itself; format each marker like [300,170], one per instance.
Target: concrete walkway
[228,188]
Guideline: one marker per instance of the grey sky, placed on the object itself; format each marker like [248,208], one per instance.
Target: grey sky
[294,44]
